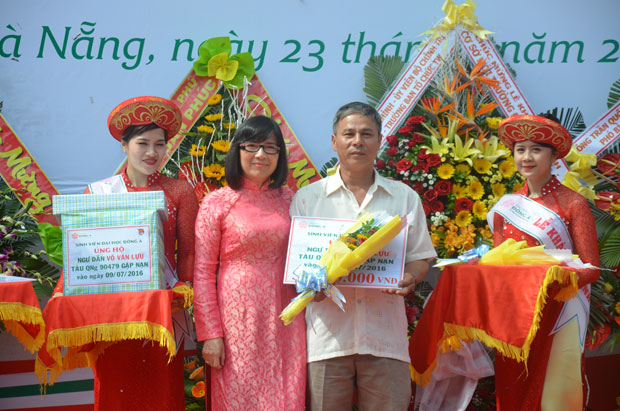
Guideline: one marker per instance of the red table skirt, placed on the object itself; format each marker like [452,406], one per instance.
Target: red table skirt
[87,324]
[501,306]
[21,314]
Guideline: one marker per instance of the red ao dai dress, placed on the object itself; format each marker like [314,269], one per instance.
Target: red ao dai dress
[517,389]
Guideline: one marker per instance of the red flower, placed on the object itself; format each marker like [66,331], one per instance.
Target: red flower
[392,140]
[437,206]
[443,187]
[434,160]
[609,164]
[403,165]
[423,165]
[417,138]
[392,151]
[606,198]
[427,207]
[411,143]
[484,392]
[418,187]
[412,313]
[414,120]
[422,154]
[600,335]
[430,195]
[407,182]
[380,164]
[463,204]
[405,130]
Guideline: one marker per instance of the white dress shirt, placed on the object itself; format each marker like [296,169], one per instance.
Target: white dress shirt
[373,322]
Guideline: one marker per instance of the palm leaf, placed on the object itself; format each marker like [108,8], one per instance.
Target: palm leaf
[380,73]
[329,164]
[610,248]
[614,94]
[604,221]
[571,119]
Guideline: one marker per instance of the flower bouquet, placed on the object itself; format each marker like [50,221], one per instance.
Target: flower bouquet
[360,242]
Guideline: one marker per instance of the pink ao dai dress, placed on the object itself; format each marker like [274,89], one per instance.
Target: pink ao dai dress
[241,241]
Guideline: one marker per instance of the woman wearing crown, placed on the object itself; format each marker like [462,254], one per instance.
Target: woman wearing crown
[552,377]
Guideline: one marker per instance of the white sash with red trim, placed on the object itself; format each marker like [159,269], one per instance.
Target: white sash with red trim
[548,228]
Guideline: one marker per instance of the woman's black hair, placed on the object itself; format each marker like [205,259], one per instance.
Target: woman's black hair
[256,130]
[132,131]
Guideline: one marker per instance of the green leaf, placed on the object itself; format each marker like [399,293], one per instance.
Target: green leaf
[213,47]
[246,69]
[571,119]
[609,248]
[604,221]
[380,73]
[51,237]
[614,94]
[207,50]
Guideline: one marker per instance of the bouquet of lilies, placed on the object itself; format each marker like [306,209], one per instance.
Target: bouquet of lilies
[360,242]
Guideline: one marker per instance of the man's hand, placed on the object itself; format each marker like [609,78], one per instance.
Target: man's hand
[213,352]
[415,272]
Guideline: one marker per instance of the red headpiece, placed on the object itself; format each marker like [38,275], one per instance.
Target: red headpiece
[139,111]
[537,129]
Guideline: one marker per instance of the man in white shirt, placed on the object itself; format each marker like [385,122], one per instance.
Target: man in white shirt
[365,346]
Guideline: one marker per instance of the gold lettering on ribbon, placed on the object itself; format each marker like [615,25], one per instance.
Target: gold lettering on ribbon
[301,173]
[19,171]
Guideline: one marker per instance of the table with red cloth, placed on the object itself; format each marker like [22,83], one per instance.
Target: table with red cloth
[501,306]
[21,314]
[85,325]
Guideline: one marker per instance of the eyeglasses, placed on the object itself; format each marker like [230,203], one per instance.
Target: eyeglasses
[253,148]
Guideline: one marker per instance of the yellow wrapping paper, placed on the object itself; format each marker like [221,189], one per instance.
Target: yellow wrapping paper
[511,252]
[339,259]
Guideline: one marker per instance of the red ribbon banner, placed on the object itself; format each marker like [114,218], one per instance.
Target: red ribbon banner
[22,173]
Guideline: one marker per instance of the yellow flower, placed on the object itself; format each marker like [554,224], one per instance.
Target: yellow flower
[493,122]
[507,168]
[482,165]
[213,117]
[463,150]
[463,218]
[489,149]
[485,232]
[459,190]
[618,307]
[480,210]
[197,151]
[205,129]
[435,237]
[214,170]
[463,169]
[442,146]
[498,189]
[221,145]
[229,126]
[475,191]
[608,288]
[445,171]
[517,187]
[214,99]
